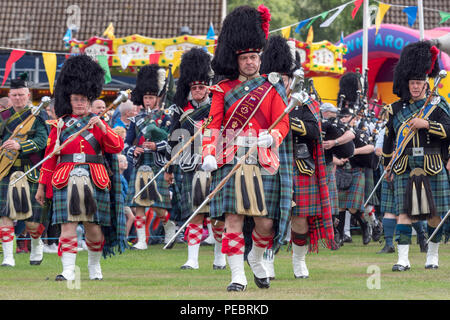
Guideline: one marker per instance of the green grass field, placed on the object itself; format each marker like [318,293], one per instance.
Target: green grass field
[155,274]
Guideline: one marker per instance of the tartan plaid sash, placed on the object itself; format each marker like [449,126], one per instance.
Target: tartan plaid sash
[404,134]
[321,225]
[246,110]
[241,90]
[286,172]
[115,234]
[402,127]
[14,120]
[196,115]
[75,127]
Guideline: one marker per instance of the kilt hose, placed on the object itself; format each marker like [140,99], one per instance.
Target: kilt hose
[439,183]
[225,200]
[387,198]
[161,184]
[332,190]
[369,186]
[101,196]
[38,211]
[353,197]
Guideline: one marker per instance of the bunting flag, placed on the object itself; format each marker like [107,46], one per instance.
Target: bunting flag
[358,4]
[109,32]
[125,60]
[444,16]
[210,35]
[310,37]
[68,35]
[103,62]
[411,13]
[50,68]
[330,20]
[301,25]
[13,57]
[286,32]
[382,9]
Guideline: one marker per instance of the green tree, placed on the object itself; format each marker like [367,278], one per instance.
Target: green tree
[287,12]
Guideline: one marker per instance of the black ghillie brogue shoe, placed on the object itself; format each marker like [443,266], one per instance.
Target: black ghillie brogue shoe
[399,267]
[262,283]
[60,277]
[236,287]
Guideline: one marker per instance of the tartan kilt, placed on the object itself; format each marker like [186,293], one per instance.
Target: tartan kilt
[37,210]
[387,198]
[306,195]
[332,190]
[225,200]
[101,196]
[353,197]
[161,184]
[369,186]
[439,183]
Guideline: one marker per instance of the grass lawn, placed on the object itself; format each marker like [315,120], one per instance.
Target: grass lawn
[155,274]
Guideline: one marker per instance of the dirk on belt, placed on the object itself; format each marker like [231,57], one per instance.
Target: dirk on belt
[123,96]
[205,124]
[34,112]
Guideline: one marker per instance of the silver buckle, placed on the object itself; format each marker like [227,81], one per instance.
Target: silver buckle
[71,122]
[79,157]
[417,152]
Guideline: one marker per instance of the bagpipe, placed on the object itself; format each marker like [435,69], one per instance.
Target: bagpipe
[8,157]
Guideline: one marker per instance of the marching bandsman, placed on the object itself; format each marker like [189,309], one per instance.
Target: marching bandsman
[281,57]
[421,184]
[147,141]
[311,216]
[193,105]
[23,144]
[338,145]
[243,107]
[78,178]
[352,195]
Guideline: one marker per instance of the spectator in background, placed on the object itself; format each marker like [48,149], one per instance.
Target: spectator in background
[123,165]
[50,109]
[116,113]
[5,103]
[98,106]
[121,131]
[127,110]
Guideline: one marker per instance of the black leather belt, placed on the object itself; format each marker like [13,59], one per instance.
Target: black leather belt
[81,158]
[421,151]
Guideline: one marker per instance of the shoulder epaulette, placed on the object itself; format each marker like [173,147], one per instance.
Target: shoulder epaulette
[53,123]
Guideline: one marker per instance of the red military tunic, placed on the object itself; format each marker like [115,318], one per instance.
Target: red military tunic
[272,106]
[57,174]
